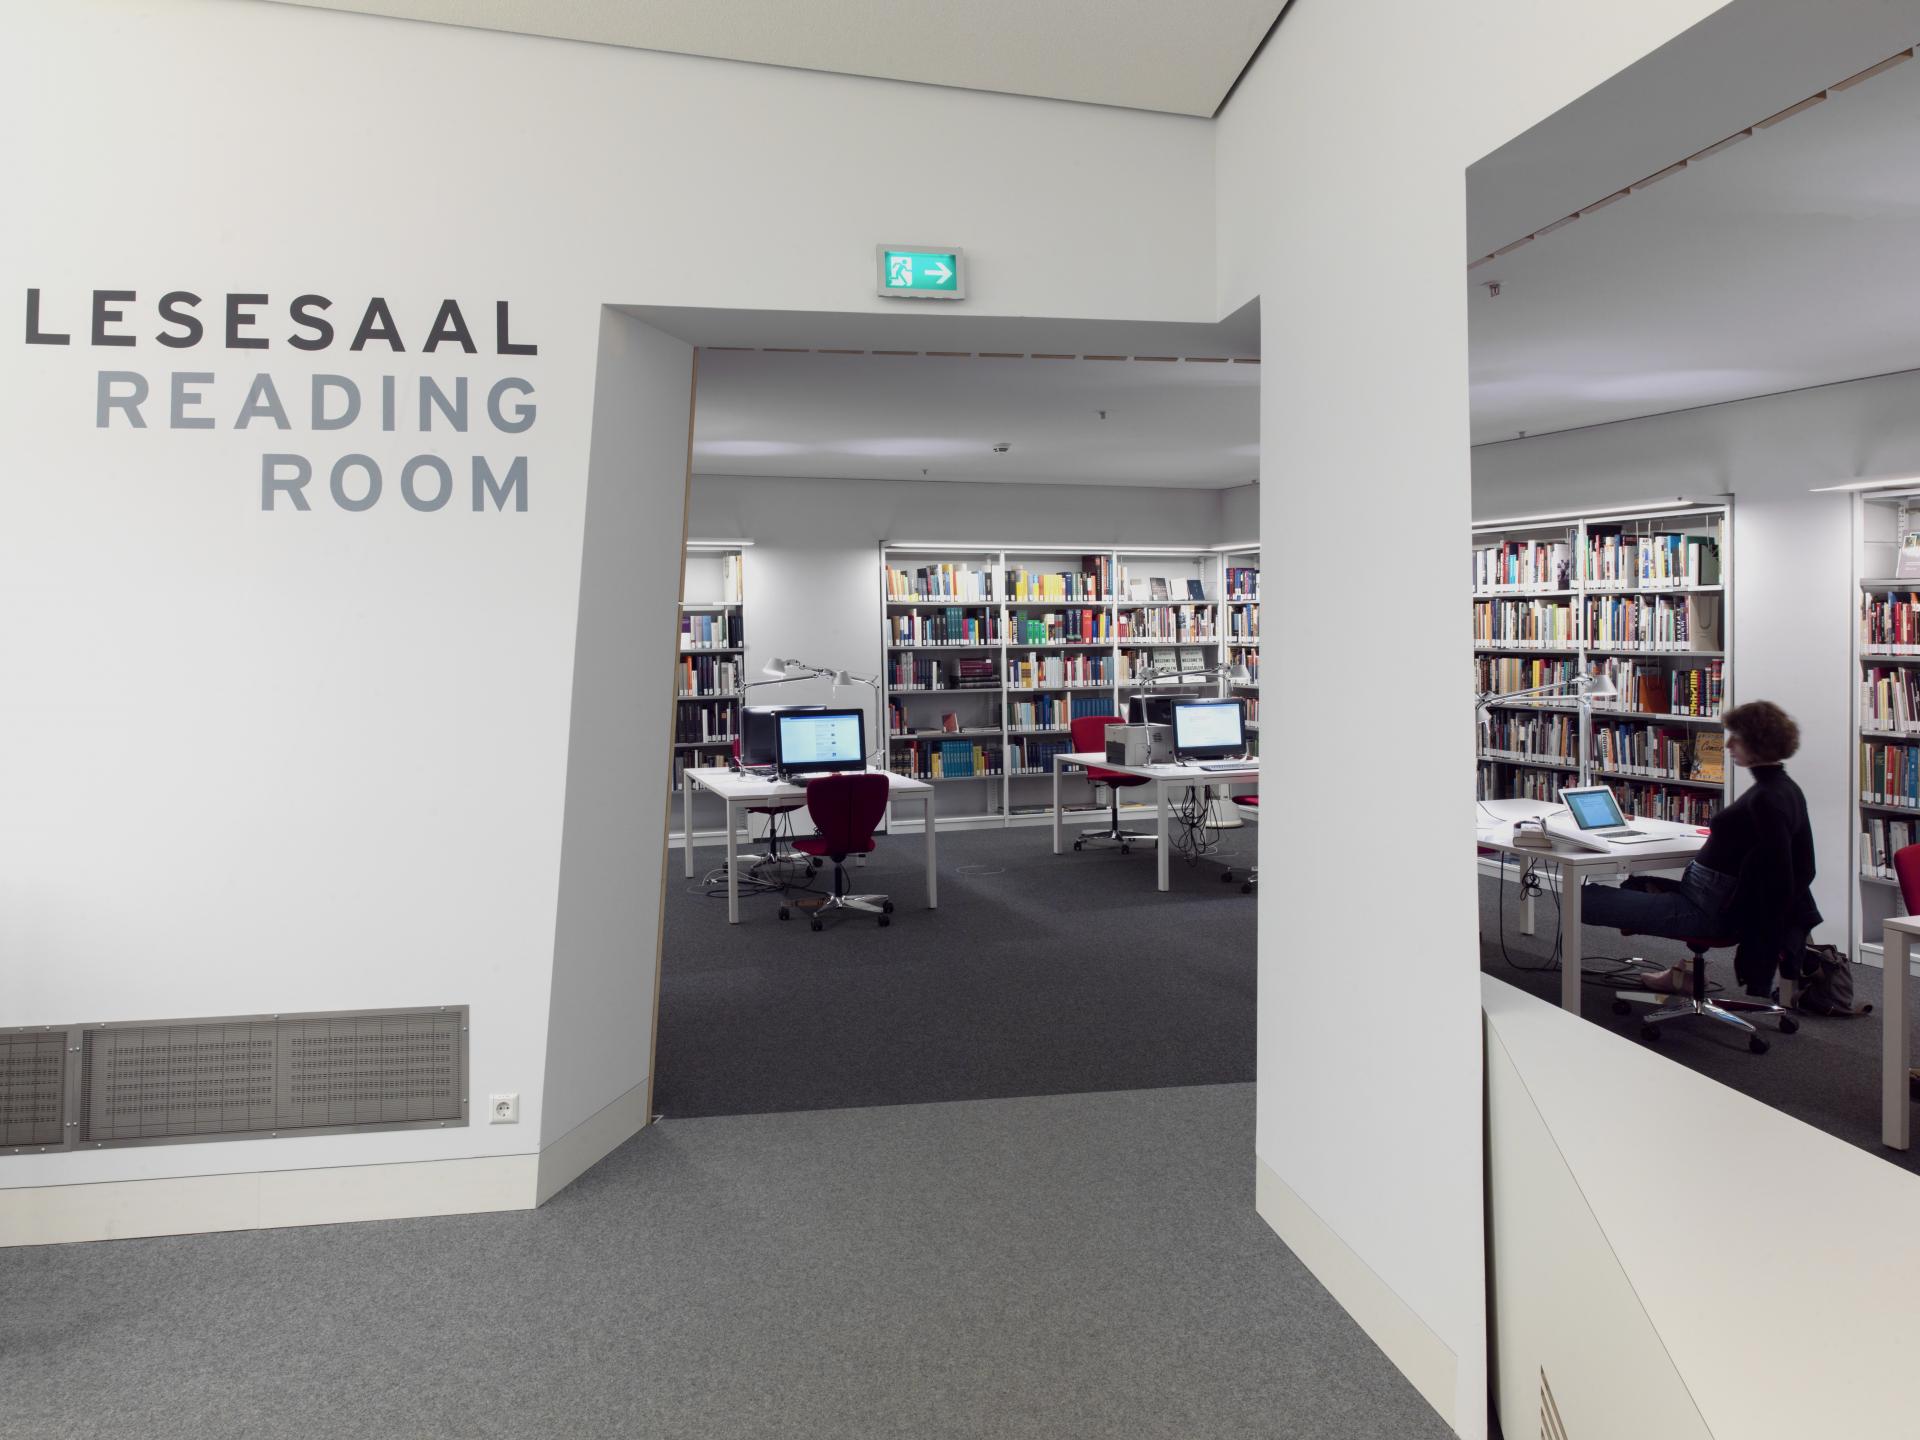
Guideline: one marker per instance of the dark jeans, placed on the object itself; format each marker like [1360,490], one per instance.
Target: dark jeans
[1693,908]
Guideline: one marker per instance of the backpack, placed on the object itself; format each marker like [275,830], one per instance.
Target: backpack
[1825,986]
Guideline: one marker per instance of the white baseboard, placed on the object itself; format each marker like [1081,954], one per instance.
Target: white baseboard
[1423,1357]
[591,1141]
[264,1200]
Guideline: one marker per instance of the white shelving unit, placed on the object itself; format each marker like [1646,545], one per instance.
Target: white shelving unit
[1641,595]
[1886,727]
[713,649]
[1049,651]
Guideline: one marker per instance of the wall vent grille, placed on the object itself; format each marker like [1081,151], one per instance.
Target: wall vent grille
[33,1088]
[1551,1427]
[233,1078]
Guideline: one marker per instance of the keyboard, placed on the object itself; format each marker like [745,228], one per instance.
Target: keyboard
[1223,765]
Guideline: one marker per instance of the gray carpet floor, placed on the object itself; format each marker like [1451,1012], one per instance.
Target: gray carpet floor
[1040,974]
[1059,1267]
[1828,1074]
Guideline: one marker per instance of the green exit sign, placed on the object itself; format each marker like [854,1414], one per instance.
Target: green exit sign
[922,272]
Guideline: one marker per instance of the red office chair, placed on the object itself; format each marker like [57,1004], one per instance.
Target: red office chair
[774,855]
[1906,868]
[1090,737]
[1246,802]
[844,809]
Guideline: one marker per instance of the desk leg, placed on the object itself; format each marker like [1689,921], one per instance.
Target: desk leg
[733,866]
[1527,918]
[1056,804]
[933,874]
[1569,940]
[686,821]
[1160,828]
[1896,1043]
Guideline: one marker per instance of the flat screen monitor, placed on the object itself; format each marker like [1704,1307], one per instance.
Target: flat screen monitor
[1593,807]
[811,742]
[1209,729]
[1150,709]
[760,731]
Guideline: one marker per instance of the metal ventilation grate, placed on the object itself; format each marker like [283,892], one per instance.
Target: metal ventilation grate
[227,1079]
[33,1088]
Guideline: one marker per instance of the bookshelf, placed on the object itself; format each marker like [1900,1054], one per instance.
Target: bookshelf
[1240,624]
[1886,723]
[990,653]
[1641,596]
[710,666]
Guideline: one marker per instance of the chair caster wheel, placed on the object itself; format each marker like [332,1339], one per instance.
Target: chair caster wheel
[813,862]
[1621,1007]
[886,919]
[818,926]
[1246,887]
[887,906]
[1650,1034]
[1788,1025]
[1757,1044]
[1226,877]
[784,915]
[1078,845]
[1126,849]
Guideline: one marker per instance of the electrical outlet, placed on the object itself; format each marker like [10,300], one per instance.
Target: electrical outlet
[503,1109]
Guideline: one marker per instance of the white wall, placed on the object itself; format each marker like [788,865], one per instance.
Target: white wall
[1794,605]
[607,940]
[813,573]
[312,761]
[1240,514]
[1340,194]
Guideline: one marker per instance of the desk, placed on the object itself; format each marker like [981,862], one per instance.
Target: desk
[1162,776]
[1896,1038]
[1494,822]
[740,790]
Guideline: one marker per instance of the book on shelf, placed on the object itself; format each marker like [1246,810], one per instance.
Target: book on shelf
[1157,587]
[732,577]
[1037,669]
[1243,582]
[950,722]
[1084,626]
[1616,558]
[1906,565]
[710,629]
[1522,565]
[1196,588]
[1710,756]
[952,625]
[710,675]
[1890,773]
[1176,624]
[1890,698]
[946,581]
[1889,619]
[1548,623]
[1880,840]
[1192,660]
[1137,588]
[1653,622]
[1092,581]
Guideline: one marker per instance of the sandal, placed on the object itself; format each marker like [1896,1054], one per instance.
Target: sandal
[1677,981]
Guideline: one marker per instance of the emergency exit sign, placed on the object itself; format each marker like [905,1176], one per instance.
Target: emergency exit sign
[922,272]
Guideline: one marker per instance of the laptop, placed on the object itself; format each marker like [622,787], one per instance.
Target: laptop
[1598,822]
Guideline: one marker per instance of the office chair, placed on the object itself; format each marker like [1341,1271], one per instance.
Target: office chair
[1245,802]
[1089,734]
[844,809]
[1728,1010]
[774,855]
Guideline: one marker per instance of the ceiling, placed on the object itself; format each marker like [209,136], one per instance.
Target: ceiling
[1785,261]
[1176,423]
[1168,55]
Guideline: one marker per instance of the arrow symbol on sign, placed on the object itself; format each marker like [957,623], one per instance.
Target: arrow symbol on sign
[938,271]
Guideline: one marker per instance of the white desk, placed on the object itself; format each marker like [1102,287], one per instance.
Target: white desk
[1896,1038]
[1163,777]
[740,791]
[1493,825]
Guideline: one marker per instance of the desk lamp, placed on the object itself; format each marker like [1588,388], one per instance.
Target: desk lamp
[847,677]
[1236,674]
[1587,688]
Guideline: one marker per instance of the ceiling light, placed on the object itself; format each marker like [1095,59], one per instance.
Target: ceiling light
[1894,482]
[1611,512]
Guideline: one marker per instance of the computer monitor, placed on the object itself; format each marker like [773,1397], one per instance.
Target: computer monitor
[1209,729]
[1593,807]
[1145,709]
[813,741]
[760,731]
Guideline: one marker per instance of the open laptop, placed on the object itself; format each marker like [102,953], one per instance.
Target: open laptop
[1597,821]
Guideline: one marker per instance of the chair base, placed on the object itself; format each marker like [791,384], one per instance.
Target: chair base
[1127,838]
[878,905]
[1729,1012]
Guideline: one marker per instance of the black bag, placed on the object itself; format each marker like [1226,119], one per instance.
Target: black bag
[1825,986]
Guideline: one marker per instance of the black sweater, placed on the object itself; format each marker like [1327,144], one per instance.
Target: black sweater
[1764,841]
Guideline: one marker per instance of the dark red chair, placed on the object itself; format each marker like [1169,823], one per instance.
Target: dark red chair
[1247,802]
[775,855]
[1089,734]
[1906,869]
[844,809]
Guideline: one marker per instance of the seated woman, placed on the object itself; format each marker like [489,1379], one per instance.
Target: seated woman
[1752,881]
